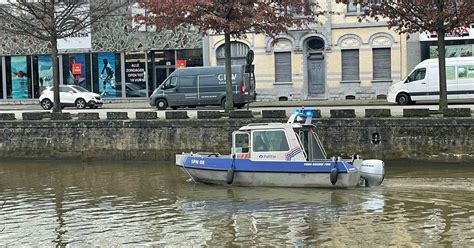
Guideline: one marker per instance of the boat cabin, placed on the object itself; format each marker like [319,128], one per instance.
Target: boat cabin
[291,141]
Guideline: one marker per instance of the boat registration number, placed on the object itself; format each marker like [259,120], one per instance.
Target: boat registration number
[317,164]
[196,161]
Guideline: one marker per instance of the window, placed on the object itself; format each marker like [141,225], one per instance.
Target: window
[241,143]
[350,65]
[238,52]
[187,81]
[107,74]
[466,72]
[419,74]
[64,89]
[170,83]
[450,72]
[381,63]
[352,7]
[270,141]
[283,67]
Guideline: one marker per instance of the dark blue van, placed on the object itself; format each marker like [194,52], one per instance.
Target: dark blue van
[203,86]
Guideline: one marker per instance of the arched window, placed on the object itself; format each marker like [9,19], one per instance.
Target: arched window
[238,51]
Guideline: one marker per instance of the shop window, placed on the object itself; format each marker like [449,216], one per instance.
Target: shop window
[107,74]
[77,70]
[42,74]
[352,7]
[350,65]
[18,72]
[381,63]
[193,57]
[283,67]
[135,74]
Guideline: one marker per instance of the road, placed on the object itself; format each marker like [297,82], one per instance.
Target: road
[131,109]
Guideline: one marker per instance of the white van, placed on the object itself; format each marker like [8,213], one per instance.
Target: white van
[422,84]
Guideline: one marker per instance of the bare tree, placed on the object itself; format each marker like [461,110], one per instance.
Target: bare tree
[50,20]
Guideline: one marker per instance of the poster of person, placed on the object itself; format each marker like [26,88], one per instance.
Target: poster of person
[20,78]
[45,72]
[77,70]
[453,51]
[106,63]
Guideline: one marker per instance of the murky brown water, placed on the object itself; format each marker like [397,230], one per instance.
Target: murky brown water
[136,204]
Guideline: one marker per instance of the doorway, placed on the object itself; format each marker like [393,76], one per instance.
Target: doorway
[316,66]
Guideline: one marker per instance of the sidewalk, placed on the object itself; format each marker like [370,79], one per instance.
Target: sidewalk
[143,104]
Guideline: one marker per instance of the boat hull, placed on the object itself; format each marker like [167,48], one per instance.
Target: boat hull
[215,171]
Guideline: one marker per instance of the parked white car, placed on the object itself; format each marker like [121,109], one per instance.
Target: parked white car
[70,96]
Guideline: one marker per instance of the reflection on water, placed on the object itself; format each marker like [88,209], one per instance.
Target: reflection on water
[83,204]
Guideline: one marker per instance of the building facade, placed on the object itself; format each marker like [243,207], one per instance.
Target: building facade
[119,62]
[340,58]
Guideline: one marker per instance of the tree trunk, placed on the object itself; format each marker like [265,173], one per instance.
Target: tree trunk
[229,104]
[443,96]
[55,64]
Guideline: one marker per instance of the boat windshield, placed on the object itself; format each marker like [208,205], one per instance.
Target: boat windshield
[311,144]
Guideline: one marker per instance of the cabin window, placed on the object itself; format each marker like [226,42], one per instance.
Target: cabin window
[170,83]
[270,141]
[419,74]
[241,143]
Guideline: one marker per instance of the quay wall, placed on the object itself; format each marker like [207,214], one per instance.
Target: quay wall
[152,140]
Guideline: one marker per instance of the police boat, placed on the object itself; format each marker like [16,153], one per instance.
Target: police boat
[281,155]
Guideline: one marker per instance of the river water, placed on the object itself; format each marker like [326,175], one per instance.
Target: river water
[56,203]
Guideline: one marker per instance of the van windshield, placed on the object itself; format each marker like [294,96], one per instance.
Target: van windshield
[418,74]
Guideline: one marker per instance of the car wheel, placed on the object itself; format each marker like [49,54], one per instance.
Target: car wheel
[46,104]
[81,103]
[223,103]
[161,104]
[403,99]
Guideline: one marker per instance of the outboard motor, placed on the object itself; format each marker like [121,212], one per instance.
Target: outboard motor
[373,171]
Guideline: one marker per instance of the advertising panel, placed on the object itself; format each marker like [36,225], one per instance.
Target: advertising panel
[77,72]
[106,64]
[453,51]
[19,78]
[80,39]
[135,79]
[45,72]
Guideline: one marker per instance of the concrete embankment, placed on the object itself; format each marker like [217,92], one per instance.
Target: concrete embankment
[119,138]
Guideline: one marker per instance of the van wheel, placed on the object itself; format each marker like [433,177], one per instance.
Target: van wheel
[223,103]
[403,99]
[161,104]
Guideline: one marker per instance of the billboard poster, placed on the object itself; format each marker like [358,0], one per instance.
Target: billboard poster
[82,38]
[45,72]
[106,64]
[77,72]
[135,79]
[19,77]
[453,51]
